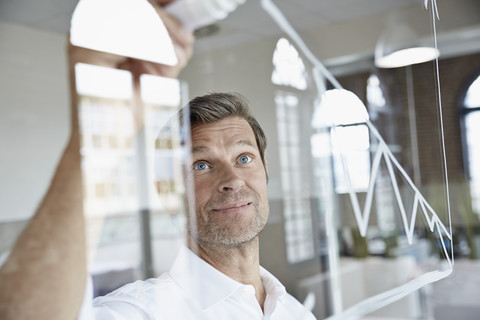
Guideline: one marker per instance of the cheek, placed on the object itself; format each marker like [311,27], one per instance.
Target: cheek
[201,191]
[258,182]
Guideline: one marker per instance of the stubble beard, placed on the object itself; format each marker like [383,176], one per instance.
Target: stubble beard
[237,230]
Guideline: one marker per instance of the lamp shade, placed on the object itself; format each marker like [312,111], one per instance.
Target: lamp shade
[339,107]
[400,46]
[130,28]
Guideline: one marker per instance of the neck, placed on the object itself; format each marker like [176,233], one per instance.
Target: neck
[240,262]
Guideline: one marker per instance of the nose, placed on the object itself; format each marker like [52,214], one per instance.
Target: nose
[230,180]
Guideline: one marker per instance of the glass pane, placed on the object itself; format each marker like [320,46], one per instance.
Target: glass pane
[363,211]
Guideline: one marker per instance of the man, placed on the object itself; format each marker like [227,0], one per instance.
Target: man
[218,276]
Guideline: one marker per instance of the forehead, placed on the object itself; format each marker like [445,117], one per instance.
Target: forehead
[226,130]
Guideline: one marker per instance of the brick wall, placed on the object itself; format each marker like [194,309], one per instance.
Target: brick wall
[393,122]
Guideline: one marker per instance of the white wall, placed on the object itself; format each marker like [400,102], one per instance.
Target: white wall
[34,104]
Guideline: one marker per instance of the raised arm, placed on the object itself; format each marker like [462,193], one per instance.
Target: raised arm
[45,274]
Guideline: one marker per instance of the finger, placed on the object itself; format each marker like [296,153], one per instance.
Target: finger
[174,27]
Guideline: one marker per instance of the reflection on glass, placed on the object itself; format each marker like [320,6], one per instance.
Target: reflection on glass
[296,196]
[107,131]
[161,97]
[119,174]
[289,71]
[109,170]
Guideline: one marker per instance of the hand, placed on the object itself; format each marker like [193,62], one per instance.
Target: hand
[182,40]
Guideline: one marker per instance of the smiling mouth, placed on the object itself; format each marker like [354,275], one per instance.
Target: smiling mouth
[233,207]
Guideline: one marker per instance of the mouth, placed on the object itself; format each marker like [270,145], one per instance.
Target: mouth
[233,207]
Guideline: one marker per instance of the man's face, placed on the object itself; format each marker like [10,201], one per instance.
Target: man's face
[230,183]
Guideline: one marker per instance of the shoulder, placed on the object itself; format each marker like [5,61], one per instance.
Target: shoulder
[137,300]
[139,289]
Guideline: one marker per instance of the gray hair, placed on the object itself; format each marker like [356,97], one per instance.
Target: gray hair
[214,107]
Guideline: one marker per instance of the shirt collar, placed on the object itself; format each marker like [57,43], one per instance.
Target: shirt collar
[273,287]
[200,280]
[207,285]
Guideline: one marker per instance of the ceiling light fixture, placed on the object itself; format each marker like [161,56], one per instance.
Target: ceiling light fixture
[400,46]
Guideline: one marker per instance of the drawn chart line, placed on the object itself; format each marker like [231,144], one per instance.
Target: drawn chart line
[434,8]
[407,178]
[383,152]
[414,217]
[381,300]
[440,111]
[363,217]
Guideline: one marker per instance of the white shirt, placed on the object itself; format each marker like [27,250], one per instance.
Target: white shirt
[193,289]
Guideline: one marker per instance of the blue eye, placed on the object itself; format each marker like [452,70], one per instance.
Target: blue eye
[244,159]
[200,166]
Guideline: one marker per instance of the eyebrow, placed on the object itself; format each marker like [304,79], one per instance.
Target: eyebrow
[200,149]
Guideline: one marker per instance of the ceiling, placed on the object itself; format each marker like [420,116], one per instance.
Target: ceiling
[249,23]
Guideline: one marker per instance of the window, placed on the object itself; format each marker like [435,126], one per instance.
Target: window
[375,98]
[471,127]
[289,72]
[351,151]
[161,98]
[107,134]
[343,117]
[289,69]
[296,197]
[120,106]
